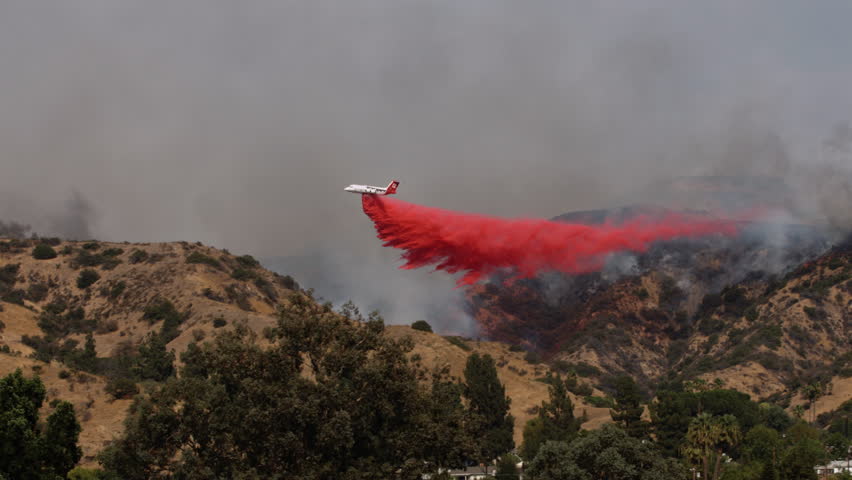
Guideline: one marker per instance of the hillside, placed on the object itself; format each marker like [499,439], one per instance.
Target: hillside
[140,288]
[764,316]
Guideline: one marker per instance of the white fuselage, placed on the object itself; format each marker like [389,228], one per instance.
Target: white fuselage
[371,190]
[366,189]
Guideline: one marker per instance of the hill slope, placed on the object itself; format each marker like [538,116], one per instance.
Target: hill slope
[46,314]
[763,316]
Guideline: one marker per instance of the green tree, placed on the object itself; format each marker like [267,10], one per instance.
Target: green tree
[507,468]
[804,451]
[154,361]
[60,439]
[671,414]
[490,420]
[446,439]
[707,438]
[673,411]
[762,444]
[813,392]
[330,397]
[28,452]
[628,409]
[605,453]
[86,359]
[555,420]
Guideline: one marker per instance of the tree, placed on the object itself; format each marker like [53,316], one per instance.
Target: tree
[328,397]
[447,441]
[555,420]
[605,453]
[422,325]
[86,359]
[671,415]
[488,405]
[507,467]
[154,361]
[60,439]
[812,393]
[28,452]
[762,444]
[673,411]
[804,451]
[628,408]
[707,438]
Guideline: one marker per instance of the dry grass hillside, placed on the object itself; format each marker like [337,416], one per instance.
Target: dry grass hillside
[211,289]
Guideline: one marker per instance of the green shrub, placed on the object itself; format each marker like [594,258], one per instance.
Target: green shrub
[162,309]
[239,297]
[532,357]
[43,251]
[770,336]
[198,257]
[422,325]
[599,402]
[266,287]
[87,278]
[459,342]
[751,313]
[287,282]
[37,292]
[120,387]
[80,473]
[64,374]
[117,289]
[516,348]
[242,274]
[112,252]
[813,313]
[91,246]
[138,256]
[219,322]
[248,261]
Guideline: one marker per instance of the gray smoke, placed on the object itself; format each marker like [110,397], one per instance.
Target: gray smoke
[238,123]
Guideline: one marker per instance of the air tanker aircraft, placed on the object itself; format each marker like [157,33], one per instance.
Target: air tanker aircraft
[371,190]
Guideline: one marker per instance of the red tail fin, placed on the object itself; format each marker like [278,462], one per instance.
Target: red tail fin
[392,187]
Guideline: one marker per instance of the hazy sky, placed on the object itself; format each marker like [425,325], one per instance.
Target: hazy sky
[239,123]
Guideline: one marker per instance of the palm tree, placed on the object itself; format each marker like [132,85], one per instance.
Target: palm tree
[707,437]
[813,392]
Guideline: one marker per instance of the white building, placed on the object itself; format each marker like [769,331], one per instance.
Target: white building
[834,467]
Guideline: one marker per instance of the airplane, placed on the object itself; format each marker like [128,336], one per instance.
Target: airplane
[371,190]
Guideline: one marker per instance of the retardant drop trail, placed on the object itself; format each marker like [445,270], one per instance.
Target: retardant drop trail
[479,245]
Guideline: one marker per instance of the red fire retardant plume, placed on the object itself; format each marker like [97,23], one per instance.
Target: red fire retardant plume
[478,245]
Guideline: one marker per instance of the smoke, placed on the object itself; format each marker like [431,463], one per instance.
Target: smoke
[238,123]
[13,230]
[477,246]
[71,219]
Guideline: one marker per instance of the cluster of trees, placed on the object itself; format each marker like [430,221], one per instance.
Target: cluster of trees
[695,428]
[330,396]
[30,450]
